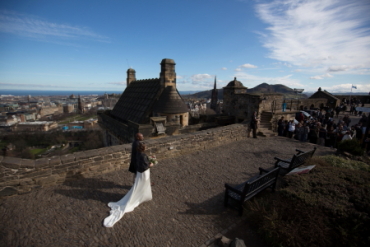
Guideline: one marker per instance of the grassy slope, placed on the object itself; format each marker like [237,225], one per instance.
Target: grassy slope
[330,206]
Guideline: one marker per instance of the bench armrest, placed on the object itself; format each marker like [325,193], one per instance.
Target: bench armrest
[229,187]
[299,151]
[280,160]
[262,170]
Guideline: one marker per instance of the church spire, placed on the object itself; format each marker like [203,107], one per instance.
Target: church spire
[214,97]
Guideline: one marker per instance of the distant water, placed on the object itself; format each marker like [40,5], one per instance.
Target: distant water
[64,93]
[53,93]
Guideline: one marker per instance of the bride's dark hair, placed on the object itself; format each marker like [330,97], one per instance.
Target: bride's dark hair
[141,147]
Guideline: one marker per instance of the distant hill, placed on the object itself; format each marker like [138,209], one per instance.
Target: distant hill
[207,94]
[266,88]
[262,88]
[187,92]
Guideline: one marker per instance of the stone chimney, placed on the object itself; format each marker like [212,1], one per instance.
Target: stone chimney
[131,76]
[167,76]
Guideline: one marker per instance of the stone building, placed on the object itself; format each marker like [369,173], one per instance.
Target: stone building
[331,102]
[38,126]
[68,108]
[241,104]
[49,111]
[109,100]
[80,105]
[152,107]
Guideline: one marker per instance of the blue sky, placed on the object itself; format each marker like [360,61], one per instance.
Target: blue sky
[89,45]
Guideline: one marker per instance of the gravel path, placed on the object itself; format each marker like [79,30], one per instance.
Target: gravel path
[186,210]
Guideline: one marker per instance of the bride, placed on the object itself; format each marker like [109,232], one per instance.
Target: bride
[140,192]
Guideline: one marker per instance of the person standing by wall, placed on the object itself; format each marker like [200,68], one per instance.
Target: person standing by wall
[281,126]
[291,128]
[322,134]
[253,124]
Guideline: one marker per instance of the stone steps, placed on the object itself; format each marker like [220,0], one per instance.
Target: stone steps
[263,132]
[265,128]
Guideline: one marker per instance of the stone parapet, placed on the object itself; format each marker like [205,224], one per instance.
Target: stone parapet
[19,176]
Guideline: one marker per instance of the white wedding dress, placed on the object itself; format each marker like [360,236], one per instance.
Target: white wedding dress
[140,192]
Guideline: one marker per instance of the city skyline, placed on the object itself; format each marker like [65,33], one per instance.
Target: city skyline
[85,45]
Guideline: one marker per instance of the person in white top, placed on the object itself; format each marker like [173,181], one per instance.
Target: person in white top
[291,128]
[347,136]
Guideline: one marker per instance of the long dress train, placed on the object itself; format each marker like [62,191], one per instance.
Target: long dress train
[140,192]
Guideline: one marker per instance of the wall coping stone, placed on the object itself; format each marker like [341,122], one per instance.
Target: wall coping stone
[105,150]
[91,153]
[11,162]
[39,163]
[151,141]
[27,163]
[120,148]
[67,158]
[55,160]
[80,155]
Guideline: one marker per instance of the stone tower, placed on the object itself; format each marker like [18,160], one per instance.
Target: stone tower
[167,76]
[81,106]
[131,76]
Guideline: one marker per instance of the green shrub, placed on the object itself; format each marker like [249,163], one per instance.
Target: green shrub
[336,161]
[351,146]
[37,151]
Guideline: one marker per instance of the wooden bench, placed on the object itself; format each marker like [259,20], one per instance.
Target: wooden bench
[298,159]
[245,191]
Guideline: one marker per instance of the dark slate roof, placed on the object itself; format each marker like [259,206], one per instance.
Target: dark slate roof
[170,102]
[235,83]
[317,94]
[137,100]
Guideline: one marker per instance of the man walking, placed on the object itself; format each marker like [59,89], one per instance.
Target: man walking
[134,153]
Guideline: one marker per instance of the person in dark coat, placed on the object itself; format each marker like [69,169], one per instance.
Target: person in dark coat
[281,126]
[253,124]
[134,154]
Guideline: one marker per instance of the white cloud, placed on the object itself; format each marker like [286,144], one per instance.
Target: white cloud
[345,88]
[358,67]
[320,77]
[238,69]
[330,35]
[34,27]
[248,66]
[117,83]
[200,77]
[316,77]
[223,68]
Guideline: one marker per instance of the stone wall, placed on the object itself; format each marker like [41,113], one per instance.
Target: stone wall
[19,176]
[363,98]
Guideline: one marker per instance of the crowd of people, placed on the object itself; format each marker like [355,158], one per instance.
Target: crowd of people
[323,128]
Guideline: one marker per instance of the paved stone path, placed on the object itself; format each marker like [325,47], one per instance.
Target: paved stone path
[186,210]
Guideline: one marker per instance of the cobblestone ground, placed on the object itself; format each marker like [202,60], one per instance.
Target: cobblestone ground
[186,210]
